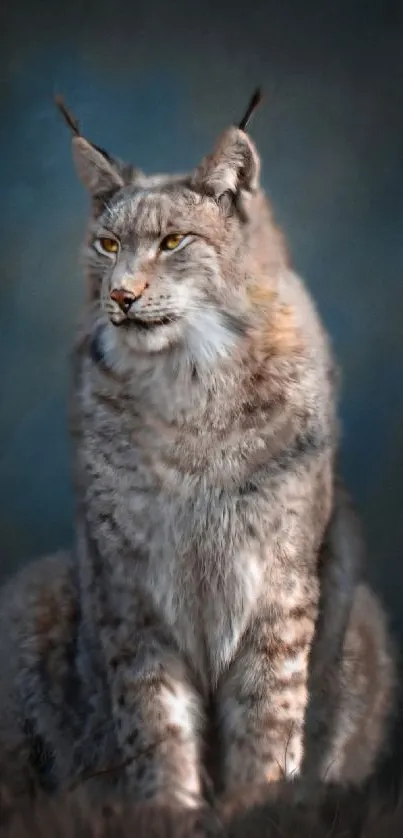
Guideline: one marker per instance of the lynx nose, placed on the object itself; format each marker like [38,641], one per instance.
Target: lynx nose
[124,298]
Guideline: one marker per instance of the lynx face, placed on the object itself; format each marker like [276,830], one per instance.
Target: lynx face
[160,257]
[166,255]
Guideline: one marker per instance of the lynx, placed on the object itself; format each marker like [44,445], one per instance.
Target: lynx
[215,593]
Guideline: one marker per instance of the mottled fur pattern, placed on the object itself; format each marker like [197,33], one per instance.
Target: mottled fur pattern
[215,573]
[50,684]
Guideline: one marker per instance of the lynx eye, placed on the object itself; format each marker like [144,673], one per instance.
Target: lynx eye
[172,241]
[106,245]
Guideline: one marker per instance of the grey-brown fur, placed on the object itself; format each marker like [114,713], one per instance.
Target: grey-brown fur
[205,434]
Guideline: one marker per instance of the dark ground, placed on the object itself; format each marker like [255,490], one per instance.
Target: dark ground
[155,82]
[274,813]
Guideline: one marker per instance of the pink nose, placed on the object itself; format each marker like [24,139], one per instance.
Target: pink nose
[123,298]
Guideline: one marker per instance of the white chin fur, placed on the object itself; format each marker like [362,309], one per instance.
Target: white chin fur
[119,343]
[205,335]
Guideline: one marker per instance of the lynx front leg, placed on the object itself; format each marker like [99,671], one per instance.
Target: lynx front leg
[158,719]
[262,701]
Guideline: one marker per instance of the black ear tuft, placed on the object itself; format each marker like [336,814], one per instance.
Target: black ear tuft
[68,116]
[231,173]
[254,103]
[97,170]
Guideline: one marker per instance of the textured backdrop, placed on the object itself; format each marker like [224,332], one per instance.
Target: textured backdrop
[155,82]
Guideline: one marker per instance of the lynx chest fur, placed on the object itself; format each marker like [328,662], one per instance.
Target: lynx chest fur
[190,546]
[185,493]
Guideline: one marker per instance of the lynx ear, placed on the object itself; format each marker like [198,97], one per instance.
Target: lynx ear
[233,167]
[96,170]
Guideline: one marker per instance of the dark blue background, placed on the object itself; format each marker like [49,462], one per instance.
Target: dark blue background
[156,82]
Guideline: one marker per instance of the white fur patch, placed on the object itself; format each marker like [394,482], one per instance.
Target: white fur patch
[225,633]
[117,359]
[292,766]
[208,338]
[296,664]
[182,710]
[225,652]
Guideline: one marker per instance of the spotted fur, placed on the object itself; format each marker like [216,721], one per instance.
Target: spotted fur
[214,546]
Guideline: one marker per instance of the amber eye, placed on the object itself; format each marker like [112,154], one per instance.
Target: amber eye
[172,241]
[107,245]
